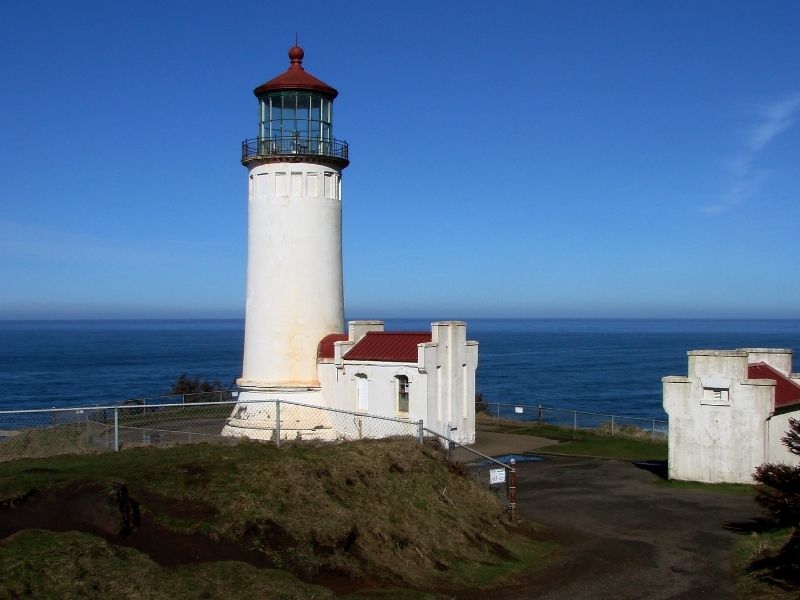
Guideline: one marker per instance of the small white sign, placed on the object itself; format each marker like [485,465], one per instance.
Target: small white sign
[519,410]
[497,476]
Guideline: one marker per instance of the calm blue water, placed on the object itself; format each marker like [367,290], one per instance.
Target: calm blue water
[609,366]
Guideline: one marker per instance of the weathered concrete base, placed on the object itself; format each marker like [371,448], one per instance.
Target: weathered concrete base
[255,417]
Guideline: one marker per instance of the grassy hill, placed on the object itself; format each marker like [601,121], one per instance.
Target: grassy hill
[306,521]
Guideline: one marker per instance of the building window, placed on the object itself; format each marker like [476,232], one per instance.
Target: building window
[716,397]
[362,391]
[402,394]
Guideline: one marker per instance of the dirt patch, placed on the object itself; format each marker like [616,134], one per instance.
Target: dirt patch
[156,503]
[107,511]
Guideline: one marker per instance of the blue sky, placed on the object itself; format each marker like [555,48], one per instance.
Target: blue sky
[542,159]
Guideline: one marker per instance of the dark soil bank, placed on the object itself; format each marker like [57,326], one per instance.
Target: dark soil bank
[109,512]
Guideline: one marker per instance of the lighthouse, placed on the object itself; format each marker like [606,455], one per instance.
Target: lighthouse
[295,292]
[304,376]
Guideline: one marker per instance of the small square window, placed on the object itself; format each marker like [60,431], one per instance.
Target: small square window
[715,397]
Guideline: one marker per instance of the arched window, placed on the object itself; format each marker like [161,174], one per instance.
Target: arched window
[362,398]
[402,394]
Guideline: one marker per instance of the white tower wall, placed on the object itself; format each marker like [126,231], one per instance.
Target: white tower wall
[295,293]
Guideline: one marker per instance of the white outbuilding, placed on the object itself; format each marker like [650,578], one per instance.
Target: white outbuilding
[296,348]
[728,415]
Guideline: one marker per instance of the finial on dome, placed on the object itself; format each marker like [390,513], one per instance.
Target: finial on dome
[296,55]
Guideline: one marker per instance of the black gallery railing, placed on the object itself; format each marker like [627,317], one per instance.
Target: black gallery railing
[294,145]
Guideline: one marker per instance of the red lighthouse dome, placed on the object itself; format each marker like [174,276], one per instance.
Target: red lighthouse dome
[296,78]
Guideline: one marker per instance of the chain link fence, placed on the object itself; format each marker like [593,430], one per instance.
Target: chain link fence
[282,422]
[491,474]
[39,433]
[613,425]
[50,432]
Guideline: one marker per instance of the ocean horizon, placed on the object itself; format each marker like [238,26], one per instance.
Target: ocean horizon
[603,365]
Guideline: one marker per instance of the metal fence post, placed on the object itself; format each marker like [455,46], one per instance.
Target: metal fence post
[278,423]
[574,420]
[498,411]
[541,416]
[612,425]
[116,429]
[653,432]
[512,489]
[421,432]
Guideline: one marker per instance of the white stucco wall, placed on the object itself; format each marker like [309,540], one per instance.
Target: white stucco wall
[294,272]
[778,427]
[382,388]
[450,361]
[441,382]
[779,359]
[721,424]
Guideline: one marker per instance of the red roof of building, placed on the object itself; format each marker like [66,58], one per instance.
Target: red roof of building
[325,348]
[388,346]
[296,78]
[787,392]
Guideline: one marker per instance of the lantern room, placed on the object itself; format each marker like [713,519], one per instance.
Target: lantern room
[295,119]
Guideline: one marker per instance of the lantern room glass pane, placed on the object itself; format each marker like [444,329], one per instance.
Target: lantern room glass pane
[303,105]
[296,115]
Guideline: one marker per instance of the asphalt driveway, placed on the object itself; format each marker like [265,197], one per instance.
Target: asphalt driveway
[623,535]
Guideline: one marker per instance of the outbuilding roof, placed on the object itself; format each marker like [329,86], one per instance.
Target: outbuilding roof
[296,78]
[325,348]
[389,346]
[787,392]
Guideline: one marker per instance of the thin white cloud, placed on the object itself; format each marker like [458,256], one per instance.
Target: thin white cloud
[745,180]
[775,118]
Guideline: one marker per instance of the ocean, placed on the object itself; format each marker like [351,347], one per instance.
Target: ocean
[611,366]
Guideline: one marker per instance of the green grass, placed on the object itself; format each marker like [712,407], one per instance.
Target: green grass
[46,441]
[742,489]
[97,433]
[755,579]
[523,554]
[57,565]
[391,512]
[611,448]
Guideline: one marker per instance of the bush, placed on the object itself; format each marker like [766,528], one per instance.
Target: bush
[195,390]
[780,496]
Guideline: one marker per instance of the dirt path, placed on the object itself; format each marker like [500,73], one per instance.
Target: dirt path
[625,536]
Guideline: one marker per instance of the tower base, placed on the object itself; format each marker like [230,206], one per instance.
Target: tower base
[258,416]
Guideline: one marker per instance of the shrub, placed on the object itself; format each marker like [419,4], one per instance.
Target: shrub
[195,390]
[780,495]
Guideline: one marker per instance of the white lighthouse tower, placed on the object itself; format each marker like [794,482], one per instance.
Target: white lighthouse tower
[295,293]
[304,377]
